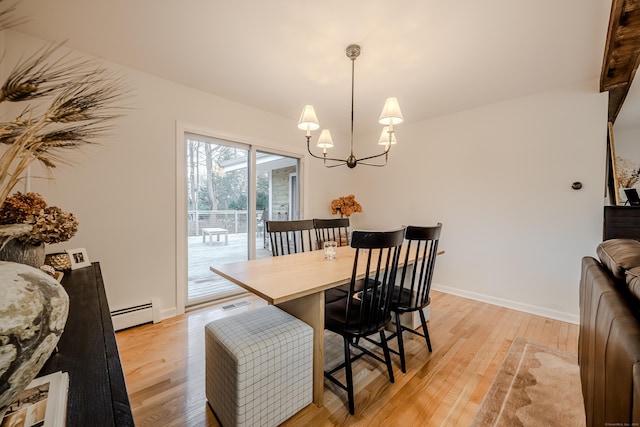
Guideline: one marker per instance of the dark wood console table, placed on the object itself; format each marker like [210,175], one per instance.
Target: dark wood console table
[88,351]
[621,222]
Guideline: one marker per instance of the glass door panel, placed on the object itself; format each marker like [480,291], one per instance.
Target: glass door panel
[277,194]
[218,217]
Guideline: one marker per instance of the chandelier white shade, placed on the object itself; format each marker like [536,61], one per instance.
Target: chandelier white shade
[325,140]
[391,115]
[308,119]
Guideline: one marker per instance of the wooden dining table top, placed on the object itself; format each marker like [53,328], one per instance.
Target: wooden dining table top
[284,278]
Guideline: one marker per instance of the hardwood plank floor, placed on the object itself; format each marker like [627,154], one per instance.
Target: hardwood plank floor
[164,368]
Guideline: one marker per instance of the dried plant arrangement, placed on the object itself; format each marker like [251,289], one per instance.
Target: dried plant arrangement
[49,224]
[627,173]
[345,205]
[69,104]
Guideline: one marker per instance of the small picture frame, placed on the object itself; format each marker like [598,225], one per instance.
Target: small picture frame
[79,258]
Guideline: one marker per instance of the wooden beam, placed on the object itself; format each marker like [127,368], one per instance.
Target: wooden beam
[622,53]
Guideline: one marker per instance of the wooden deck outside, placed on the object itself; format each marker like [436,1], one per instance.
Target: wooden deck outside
[204,285]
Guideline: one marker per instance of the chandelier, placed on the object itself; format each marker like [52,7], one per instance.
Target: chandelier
[390,116]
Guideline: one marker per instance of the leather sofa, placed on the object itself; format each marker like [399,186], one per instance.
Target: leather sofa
[609,339]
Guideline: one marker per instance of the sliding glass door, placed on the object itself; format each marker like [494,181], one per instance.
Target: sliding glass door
[217,195]
[223,178]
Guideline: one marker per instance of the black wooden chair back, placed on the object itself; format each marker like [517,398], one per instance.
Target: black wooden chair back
[336,229]
[412,294]
[289,237]
[366,309]
[416,278]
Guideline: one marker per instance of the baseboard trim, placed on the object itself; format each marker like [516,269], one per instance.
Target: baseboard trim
[168,313]
[514,305]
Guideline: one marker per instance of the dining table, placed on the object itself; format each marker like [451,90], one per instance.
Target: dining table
[296,283]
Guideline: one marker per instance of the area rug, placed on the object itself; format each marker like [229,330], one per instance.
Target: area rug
[536,386]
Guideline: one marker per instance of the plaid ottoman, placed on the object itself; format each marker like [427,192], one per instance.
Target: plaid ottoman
[258,367]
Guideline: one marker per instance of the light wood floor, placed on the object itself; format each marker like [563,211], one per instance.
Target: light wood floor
[164,369]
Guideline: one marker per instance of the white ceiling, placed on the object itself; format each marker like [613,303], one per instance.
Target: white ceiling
[435,56]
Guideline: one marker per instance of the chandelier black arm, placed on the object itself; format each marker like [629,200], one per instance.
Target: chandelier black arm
[373,164]
[324,157]
[384,153]
[342,163]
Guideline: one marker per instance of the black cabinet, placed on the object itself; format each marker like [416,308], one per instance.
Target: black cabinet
[88,351]
[621,222]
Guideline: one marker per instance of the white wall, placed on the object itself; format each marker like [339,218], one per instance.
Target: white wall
[499,179]
[626,143]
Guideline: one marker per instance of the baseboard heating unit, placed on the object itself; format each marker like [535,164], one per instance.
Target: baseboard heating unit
[134,316]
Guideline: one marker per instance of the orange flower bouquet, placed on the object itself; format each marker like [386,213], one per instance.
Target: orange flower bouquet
[345,205]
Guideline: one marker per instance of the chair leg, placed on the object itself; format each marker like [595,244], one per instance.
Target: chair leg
[387,355]
[348,374]
[425,329]
[403,365]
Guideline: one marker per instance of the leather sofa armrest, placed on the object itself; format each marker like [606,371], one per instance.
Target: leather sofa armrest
[619,255]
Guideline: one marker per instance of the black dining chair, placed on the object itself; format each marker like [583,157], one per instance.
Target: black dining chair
[366,310]
[412,293]
[336,229]
[289,237]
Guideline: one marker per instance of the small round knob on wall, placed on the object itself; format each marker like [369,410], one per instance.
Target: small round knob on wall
[576,185]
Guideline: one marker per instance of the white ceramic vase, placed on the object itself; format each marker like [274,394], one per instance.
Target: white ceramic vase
[33,313]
